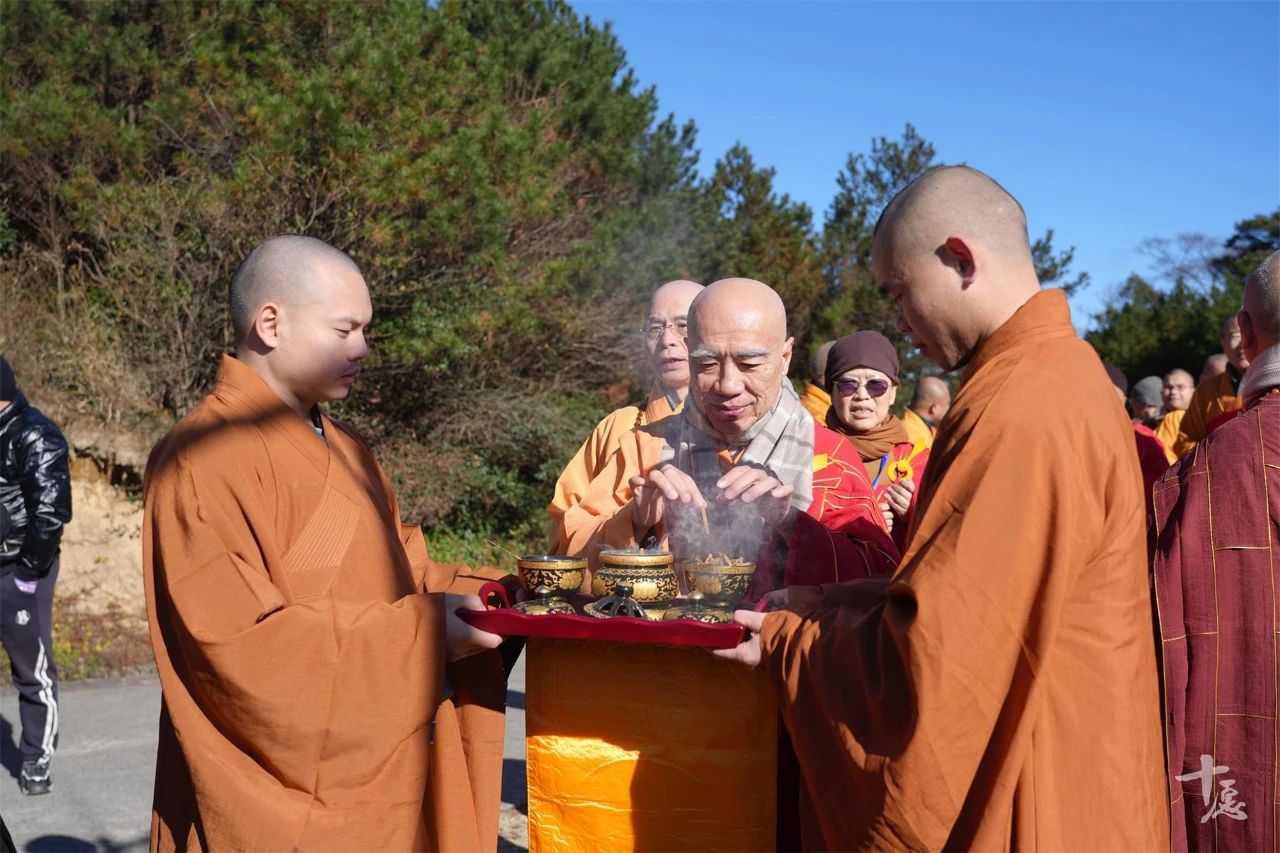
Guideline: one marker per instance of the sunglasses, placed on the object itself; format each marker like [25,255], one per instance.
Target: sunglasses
[849,387]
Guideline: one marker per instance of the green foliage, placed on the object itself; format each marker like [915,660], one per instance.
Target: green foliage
[508,189]
[1150,330]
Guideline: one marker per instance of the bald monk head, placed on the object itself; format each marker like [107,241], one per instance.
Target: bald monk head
[299,308]
[739,352]
[931,399]
[818,364]
[1233,343]
[1214,365]
[1177,390]
[665,333]
[951,250]
[1259,319]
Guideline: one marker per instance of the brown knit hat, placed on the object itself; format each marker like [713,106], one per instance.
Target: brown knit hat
[862,349]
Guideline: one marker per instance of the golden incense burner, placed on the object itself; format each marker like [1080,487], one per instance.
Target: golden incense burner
[562,575]
[722,579]
[648,573]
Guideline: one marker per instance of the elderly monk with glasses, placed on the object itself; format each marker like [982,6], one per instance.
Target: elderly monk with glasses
[576,529]
[862,375]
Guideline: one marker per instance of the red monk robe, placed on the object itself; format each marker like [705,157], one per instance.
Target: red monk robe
[1217,562]
[300,646]
[1000,690]
[1152,458]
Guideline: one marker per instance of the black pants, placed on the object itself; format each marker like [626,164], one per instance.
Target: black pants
[26,623]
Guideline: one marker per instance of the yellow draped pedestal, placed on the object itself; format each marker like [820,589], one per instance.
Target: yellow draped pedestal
[639,747]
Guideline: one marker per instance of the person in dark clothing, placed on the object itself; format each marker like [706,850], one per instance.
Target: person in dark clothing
[35,506]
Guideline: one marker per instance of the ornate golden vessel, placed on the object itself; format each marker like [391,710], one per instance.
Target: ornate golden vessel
[698,611]
[543,604]
[723,580]
[649,574]
[562,575]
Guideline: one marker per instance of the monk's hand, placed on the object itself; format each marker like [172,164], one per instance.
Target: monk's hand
[755,485]
[886,512]
[461,639]
[797,599]
[664,485]
[899,495]
[748,651]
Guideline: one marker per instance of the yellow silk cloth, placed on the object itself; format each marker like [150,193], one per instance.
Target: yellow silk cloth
[636,747]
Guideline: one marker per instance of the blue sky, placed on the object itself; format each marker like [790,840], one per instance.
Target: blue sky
[1110,121]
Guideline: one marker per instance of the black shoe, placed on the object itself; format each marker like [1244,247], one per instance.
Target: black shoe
[34,778]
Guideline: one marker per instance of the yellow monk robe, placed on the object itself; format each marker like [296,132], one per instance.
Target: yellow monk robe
[1167,432]
[593,456]
[301,656]
[920,433]
[1213,400]
[816,401]
[602,517]
[999,691]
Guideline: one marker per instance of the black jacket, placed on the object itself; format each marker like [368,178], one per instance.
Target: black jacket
[35,489]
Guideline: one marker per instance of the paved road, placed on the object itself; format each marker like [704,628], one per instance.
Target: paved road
[102,774]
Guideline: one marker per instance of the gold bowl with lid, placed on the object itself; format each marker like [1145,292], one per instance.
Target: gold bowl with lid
[561,574]
[648,573]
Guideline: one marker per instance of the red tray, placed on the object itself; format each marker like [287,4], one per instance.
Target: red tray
[619,629]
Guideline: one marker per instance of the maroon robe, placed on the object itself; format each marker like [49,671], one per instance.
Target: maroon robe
[1217,514]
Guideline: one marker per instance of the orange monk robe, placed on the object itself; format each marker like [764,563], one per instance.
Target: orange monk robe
[816,401]
[1167,432]
[1214,400]
[593,456]
[300,646]
[920,433]
[999,691]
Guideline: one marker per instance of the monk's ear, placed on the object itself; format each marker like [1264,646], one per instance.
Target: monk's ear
[266,325]
[1248,336]
[962,259]
[786,355]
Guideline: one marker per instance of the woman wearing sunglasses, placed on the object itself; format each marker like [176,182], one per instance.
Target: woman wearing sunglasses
[862,377]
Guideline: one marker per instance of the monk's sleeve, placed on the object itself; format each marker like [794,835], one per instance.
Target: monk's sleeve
[603,518]
[895,709]
[284,680]
[582,469]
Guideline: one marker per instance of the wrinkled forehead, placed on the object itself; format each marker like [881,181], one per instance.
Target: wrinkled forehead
[727,326]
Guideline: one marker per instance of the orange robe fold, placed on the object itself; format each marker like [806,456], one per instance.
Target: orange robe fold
[593,457]
[1000,690]
[816,401]
[1214,399]
[298,632]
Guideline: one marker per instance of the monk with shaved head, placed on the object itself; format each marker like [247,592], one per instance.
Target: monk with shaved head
[929,402]
[999,690]
[745,452]
[586,509]
[1215,400]
[1217,565]
[302,635]
[816,398]
[1176,393]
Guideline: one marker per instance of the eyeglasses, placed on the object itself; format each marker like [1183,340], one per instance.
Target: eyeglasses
[849,387]
[653,331]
